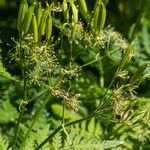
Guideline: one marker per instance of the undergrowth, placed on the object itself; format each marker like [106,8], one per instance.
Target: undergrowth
[75,89]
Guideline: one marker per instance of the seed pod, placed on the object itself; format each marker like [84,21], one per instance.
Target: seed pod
[28,18]
[35,29]
[126,57]
[96,14]
[74,12]
[65,10]
[102,17]
[48,27]
[105,2]
[83,6]
[23,8]
[137,75]
[39,14]
[97,3]
[43,20]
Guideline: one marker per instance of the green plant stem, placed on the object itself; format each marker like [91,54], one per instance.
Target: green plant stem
[23,59]
[17,128]
[63,113]
[106,91]
[60,127]
[39,95]
[101,78]
[35,118]
[71,43]
[89,63]
[80,120]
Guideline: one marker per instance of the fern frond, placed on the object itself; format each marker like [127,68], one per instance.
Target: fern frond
[35,139]
[78,142]
[57,141]
[70,115]
[8,113]
[3,143]
[5,74]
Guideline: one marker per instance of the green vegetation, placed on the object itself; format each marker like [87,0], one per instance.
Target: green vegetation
[74,75]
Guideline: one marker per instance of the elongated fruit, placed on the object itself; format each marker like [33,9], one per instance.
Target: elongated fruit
[43,20]
[65,10]
[28,18]
[39,14]
[74,12]
[83,6]
[23,8]
[35,28]
[138,74]
[105,2]
[102,17]
[126,57]
[49,27]
[96,14]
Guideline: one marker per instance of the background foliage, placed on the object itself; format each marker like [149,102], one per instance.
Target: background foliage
[123,123]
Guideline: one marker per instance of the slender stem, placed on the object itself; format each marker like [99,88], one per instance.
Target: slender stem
[63,113]
[23,61]
[17,128]
[106,92]
[101,78]
[89,63]
[59,128]
[35,118]
[71,44]
[80,120]
[39,95]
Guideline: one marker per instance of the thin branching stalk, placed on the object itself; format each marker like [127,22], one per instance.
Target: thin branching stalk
[23,61]
[35,118]
[101,78]
[39,95]
[60,127]
[71,43]
[80,120]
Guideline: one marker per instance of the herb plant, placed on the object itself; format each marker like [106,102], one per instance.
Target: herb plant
[74,89]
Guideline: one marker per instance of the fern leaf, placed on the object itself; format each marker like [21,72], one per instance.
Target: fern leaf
[78,142]
[91,127]
[98,129]
[110,144]
[57,141]
[6,74]
[3,143]
[69,114]
[8,113]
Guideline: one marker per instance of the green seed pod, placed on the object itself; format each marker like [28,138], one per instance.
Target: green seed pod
[83,6]
[138,74]
[65,10]
[74,12]
[35,29]
[39,14]
[23,8]
[48,27]
[126,57]
[96,14]
[43,20]
[105,2]
[97,3]
[102,17]
[28,18]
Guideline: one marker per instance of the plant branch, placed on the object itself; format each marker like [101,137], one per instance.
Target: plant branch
[60,127]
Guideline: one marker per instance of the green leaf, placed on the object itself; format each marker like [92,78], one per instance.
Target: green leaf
[69,114]
[3,143]
[6,74]
[110,144]
[8,113]
[91,127]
